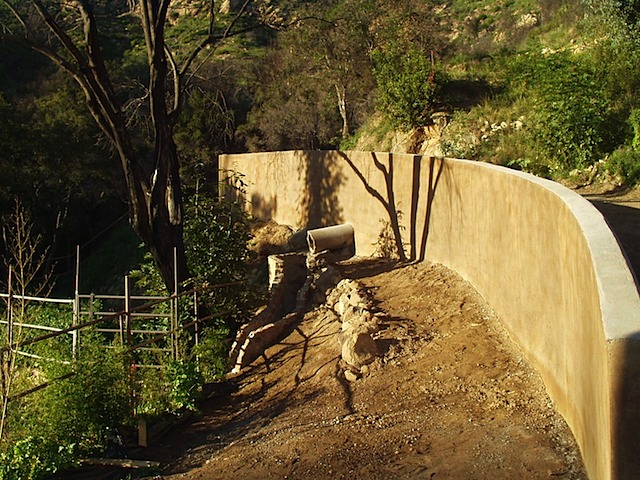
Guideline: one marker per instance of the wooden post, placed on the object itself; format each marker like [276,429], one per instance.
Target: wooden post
[121,327]
[10,308]
[196,326]
[76,308]
[127,309]
[174,322]
[142,432]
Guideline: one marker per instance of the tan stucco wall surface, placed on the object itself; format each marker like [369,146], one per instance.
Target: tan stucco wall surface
[540,255]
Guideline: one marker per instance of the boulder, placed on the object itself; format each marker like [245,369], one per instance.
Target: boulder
[358,349]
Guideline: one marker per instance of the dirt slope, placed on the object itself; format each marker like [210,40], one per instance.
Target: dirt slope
[450,397]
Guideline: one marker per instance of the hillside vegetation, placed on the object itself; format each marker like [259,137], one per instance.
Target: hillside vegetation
[544,86]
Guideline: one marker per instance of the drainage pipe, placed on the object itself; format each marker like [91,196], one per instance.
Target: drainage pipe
[330,238]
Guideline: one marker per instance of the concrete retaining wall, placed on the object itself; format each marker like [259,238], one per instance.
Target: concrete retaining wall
[539,254]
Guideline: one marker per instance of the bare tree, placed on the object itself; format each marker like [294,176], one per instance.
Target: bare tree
[26,261]
[66,32]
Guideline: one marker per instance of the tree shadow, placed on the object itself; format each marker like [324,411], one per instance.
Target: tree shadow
[368,267]
[626,401]
[319,205]
[434,173]
[388,202]
[262,207]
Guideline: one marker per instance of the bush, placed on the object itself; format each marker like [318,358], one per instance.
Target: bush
[34,458]
[185,384]
[406,85]
[625,164]
[213,351]
[570,123]
[216,235]
[73,416]
[83,408]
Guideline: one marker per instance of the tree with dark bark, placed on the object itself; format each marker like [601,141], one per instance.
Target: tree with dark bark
[67,33]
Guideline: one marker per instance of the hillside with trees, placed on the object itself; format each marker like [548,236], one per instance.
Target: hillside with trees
[113,113]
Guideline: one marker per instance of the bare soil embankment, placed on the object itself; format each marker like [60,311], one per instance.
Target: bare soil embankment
[449,397]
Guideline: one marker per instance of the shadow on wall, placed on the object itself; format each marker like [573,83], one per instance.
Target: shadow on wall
[234,189]
[319,204]
[388,200]
[625,223]
[626,400]
[435,167]
[262,208]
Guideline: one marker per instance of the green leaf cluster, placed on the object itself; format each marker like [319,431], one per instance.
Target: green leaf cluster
[72,417]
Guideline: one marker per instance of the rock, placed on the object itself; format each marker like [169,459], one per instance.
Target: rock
[358,349]
[250,344]
[287,267]
[528,20]
[351,376]
[270,238]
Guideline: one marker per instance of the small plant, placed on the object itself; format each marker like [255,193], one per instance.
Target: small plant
[387,245]
[185,384]
[82,408]
[34,458]
[25,260]
[212,352]
[634,121]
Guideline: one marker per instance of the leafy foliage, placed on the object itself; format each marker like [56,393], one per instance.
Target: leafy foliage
[72,417]
[625,164]
[406,83]
[185,384]
[570,122]
[212,352]
[216,238]
[94,399]
[34,458]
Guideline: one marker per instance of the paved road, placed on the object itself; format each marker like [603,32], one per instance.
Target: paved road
[623,216]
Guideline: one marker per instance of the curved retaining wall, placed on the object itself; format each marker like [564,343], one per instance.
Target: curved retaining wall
[539,254]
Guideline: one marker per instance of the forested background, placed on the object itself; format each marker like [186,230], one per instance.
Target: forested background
[547,86]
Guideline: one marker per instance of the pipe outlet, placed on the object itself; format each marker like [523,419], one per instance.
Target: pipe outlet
[335,237]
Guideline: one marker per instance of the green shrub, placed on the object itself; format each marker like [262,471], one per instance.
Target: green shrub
[625,164]
[212,352]
[83,408]
[570,123]
[634,121]
[185,384]
[216,237]
[72,416]
[406,85]
[34,458]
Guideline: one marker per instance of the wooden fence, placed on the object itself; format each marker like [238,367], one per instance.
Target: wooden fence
[124,323]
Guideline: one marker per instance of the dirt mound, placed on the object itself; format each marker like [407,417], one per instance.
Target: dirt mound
[449,397]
